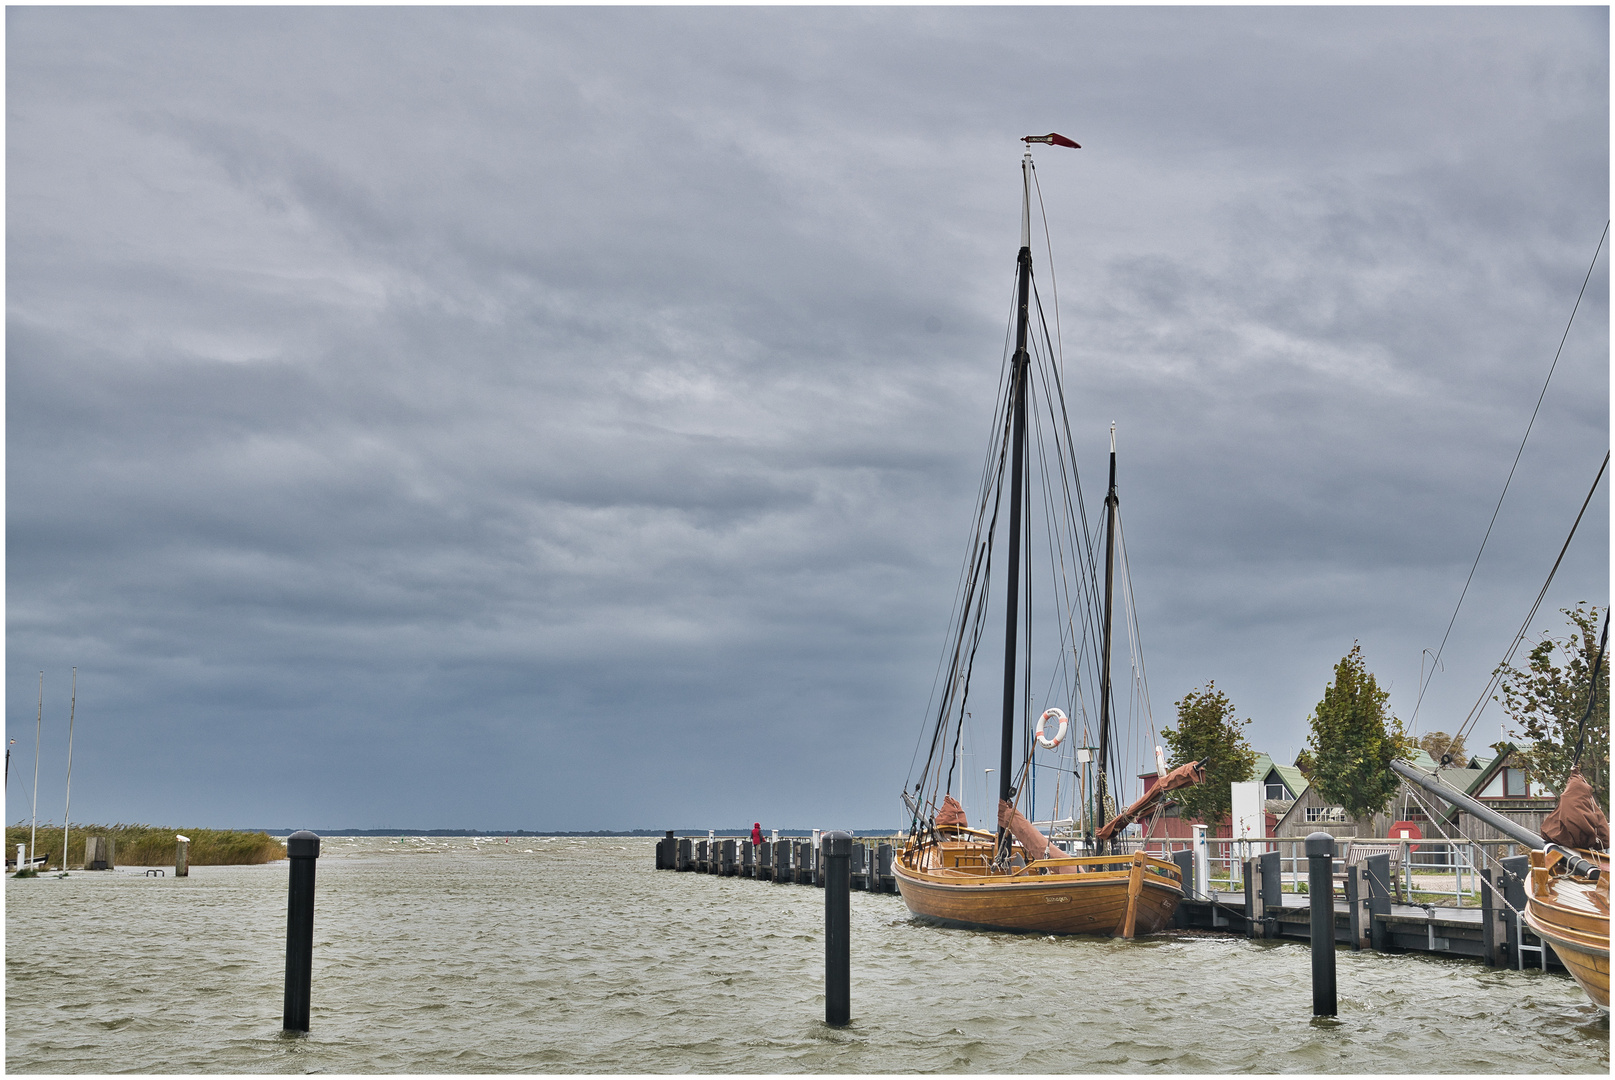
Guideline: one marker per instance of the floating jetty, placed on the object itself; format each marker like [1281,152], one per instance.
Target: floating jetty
[1364,915]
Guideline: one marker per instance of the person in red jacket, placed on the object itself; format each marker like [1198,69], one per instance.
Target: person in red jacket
[756,832]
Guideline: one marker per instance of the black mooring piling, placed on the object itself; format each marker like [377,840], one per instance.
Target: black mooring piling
[836,851]
[302,848]
[1321,901]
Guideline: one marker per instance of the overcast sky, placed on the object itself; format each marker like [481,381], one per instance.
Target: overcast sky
[570,418]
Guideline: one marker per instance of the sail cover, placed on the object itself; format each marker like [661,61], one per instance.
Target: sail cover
[1578,822]
[1182,776]
[951,813]
[1030,837]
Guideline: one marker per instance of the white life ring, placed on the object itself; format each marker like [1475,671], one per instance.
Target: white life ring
[1059,735]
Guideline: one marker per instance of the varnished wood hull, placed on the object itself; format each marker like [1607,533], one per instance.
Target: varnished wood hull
[1055,903]
[1572,916]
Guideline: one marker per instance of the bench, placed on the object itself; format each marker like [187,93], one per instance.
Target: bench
[1355,853]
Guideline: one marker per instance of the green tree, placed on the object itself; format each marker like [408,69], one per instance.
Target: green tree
[1437,743]
[1354,740]
[1547,701]
[1207,728]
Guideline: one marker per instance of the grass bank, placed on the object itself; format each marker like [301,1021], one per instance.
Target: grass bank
[148,845]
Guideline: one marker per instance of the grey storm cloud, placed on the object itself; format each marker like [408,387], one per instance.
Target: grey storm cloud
[568,418]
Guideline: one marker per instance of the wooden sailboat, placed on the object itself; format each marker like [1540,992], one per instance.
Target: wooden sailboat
[1571,913]
[1567,902]
[1567,894]
[1017,878]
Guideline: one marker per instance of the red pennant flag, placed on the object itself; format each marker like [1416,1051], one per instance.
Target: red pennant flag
[1052,139]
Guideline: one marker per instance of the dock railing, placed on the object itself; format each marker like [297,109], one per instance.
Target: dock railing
[1442,872]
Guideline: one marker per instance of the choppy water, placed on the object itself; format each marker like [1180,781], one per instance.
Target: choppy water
[569,955]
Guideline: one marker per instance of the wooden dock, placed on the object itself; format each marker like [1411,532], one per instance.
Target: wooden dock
[1367,918]
[1365,915]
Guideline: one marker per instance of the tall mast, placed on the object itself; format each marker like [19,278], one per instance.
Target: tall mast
[1111,503]
[39,722]
[67,805]
[1017,398]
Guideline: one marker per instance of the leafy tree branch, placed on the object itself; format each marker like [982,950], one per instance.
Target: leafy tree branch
[1547,700]
[1207,727]
[1354,740]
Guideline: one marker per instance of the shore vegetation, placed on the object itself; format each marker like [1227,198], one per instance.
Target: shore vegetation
[1354,739]
[1547,705]
[1208,728]
[149,845]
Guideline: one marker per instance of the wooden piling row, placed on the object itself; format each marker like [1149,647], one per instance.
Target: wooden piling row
[785,862]
[1366,919]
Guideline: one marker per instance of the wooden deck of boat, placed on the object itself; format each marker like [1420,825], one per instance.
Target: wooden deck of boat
[1572,915]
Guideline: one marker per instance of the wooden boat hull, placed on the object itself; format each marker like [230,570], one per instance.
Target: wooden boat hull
[1572,916]
[1044,903]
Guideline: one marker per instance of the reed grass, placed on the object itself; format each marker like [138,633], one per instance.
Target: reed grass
[148,845]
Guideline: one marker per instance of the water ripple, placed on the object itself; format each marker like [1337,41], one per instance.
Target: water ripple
[576,956]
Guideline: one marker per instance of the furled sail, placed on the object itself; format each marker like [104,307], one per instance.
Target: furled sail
[1030,836]
[1578,821]
[951,814]
[1182,776]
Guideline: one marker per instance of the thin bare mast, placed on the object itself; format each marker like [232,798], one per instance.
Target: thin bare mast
[39,722]
[1111,503]
[72,707]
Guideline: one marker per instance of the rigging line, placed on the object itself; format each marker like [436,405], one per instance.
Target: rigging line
[973,629]
[1054,534]
[1056,373]
[1414,720]
[1132,608]
[1090,579]
[975,643]
[1480,705]
[1060,585]
[957,616]
[983,567]
[1129,624]
[1592,693]
[1061,672]
[1054,287]
[1139,685]
[1057,587]
[1434,816]
[1040,363]
[1057,528]
[953,668]
[984,489]
[1069,521]
[1078,644]
[1065,422]
[1129,616]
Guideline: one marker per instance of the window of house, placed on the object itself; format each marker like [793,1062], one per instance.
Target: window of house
[1326,813]
[1276,791]
[1514,782]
